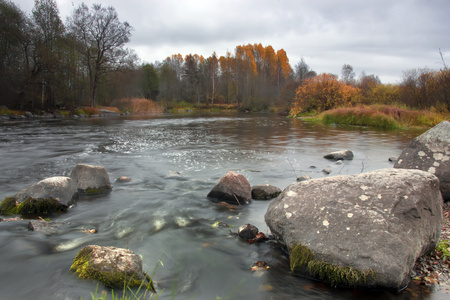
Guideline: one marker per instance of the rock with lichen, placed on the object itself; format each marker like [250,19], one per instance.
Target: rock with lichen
[91,180]
[430,152]
[363,230]
[114,267]
[232,188]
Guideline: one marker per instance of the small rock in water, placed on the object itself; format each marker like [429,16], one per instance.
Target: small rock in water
[265,192]
[340,155]
[326,171]
[123,179]
[393,159]
[248,231]
[303,178]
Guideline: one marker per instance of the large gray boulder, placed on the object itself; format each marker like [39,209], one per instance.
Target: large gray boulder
[430,152]
[113,266]
[91,180]
[232,188]
[62,188]
[54,194]
[363,230]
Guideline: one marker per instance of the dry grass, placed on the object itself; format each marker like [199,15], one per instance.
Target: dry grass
[382,116]
[138,106]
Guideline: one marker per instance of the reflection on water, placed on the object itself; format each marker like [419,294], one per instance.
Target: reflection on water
[163,213]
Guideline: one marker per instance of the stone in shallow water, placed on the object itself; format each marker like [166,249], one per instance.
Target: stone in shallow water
[232,188]
[112,266]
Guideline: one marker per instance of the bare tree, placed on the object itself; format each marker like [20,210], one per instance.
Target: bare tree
[348,75]
[101,37]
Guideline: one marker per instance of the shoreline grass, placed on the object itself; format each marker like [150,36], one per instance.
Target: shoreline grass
[381,116]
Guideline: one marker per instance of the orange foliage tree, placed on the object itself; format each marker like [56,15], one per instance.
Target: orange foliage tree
[323,92]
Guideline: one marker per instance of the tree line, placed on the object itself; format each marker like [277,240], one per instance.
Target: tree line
[48,64]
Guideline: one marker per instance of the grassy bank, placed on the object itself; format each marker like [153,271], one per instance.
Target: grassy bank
[382,116]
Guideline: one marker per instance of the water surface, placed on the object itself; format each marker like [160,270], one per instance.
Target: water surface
[163,213]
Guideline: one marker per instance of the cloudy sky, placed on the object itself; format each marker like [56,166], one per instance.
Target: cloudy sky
[381,37]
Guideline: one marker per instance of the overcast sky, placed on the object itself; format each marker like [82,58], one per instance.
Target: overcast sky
[381,37]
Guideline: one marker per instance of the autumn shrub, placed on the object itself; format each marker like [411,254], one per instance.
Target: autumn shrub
[323,92]
[137,106]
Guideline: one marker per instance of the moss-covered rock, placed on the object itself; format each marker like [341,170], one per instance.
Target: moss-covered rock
[31,206]
[62,188]
[114,267]
[8,206]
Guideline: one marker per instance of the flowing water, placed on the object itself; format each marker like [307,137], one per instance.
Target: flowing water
[163,214]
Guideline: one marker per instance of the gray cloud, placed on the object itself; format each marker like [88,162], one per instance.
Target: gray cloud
[381,37]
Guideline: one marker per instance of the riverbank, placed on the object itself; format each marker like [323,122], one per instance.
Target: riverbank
[122,107]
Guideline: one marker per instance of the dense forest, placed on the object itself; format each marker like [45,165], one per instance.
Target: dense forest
[48,64]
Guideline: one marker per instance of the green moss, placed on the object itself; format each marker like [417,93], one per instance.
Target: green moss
[94,191]
[302,260]
[8,206]
[30,206]
[300,255]
[336,275]
[40,206]
[110,279]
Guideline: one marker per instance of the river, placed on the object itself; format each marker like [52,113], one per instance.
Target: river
[163,214]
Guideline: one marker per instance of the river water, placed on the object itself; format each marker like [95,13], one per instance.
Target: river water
[163,214]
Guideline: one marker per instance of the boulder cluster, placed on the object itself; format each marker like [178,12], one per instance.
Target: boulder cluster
[56,194]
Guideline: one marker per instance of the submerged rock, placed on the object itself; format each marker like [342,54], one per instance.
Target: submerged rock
[265,192]
[430,152]
[91,180]
[363,230]
[47,227]
[112,266]
[232,188]
[123,179]
[340,155]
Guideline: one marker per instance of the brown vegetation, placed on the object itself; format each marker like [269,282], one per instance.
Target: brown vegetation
[137,106]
